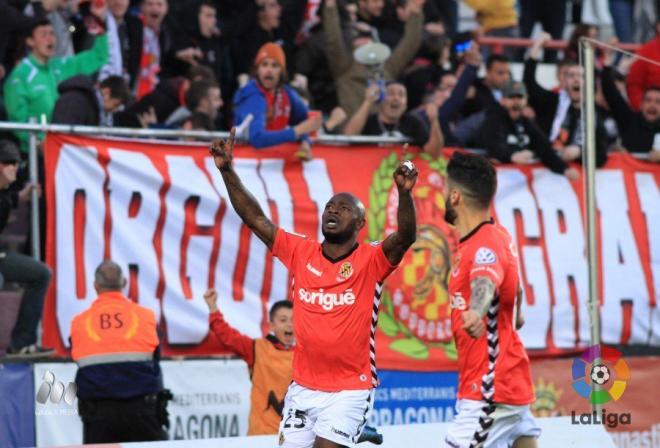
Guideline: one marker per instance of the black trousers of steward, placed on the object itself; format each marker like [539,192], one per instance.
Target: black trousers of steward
[137,419]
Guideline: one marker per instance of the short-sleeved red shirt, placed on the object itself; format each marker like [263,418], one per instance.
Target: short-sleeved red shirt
[489,251]
[335,309]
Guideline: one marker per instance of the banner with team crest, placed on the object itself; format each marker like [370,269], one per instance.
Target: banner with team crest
[162,211]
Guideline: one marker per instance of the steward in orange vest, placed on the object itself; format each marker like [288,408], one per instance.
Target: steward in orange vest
[269,359]
[120,385]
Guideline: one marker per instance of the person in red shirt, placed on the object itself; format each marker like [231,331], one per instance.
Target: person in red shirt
[644,74]
[335,292]
[495,385]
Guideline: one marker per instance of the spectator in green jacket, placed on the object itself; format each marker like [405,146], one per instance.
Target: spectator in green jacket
[31,88]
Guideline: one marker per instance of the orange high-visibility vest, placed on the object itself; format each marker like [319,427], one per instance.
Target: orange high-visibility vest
[113,329]
[271,375]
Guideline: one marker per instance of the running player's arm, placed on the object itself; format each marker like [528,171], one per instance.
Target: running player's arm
[396,245]
[481,296]
[227,335]
[245,205]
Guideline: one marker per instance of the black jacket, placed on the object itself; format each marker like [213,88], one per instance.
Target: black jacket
[544,102]
[131,47]
[165,99]
[8,200]
[502,137]
[482,100]
[13,24]
[636,133]
[77,103]
[130,35]
[570,133]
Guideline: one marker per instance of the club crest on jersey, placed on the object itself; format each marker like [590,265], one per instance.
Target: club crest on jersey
[485,255]
[345,271]
[281,441]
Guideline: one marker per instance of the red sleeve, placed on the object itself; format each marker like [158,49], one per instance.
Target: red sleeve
[231,338]
[487,263]
[379,264]
[635,83]
[285,246]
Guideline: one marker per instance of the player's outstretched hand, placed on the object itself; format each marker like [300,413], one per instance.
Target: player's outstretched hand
[405,175]
[473,323]
[223,151]
[211,299]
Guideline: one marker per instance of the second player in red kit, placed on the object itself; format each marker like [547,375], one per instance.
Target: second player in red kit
[495,386]
[335,291]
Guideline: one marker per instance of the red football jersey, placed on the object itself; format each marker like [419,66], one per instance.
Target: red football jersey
[494,366]
[335,310]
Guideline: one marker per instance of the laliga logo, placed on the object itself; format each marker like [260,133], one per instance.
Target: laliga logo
[600,374]
[327,300]
[611,368]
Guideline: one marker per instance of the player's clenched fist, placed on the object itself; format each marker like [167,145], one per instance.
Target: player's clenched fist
[223,150]
[473,323]
[405,176]
[211,299]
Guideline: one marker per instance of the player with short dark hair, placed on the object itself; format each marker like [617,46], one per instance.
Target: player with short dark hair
[495,386]
[335,293]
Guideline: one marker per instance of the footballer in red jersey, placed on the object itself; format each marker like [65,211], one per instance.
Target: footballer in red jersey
[335,292]
[495,386]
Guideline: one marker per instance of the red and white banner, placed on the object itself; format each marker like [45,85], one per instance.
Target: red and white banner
[161,210]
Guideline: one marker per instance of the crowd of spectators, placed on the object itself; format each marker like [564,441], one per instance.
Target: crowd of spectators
[286,70]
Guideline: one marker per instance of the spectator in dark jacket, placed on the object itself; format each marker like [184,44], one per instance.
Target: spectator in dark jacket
[550,106]
[569,141]
[510,137]
[201,42]
[32,275]
[13,24]
[639,131]
[450,94]
[391,119]
[197,121]
[82,102]
[279,114]
[168,96]
[488,90]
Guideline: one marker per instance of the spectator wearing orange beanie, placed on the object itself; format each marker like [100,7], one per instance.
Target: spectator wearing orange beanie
[279,114]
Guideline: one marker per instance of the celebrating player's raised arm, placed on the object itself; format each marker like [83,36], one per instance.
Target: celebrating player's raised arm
[396,245]
[243,202]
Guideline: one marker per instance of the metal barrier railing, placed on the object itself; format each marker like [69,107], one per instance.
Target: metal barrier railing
[177,133]
[518,42]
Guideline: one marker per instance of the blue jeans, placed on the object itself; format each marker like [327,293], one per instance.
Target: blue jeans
[34,277]
[622,15]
